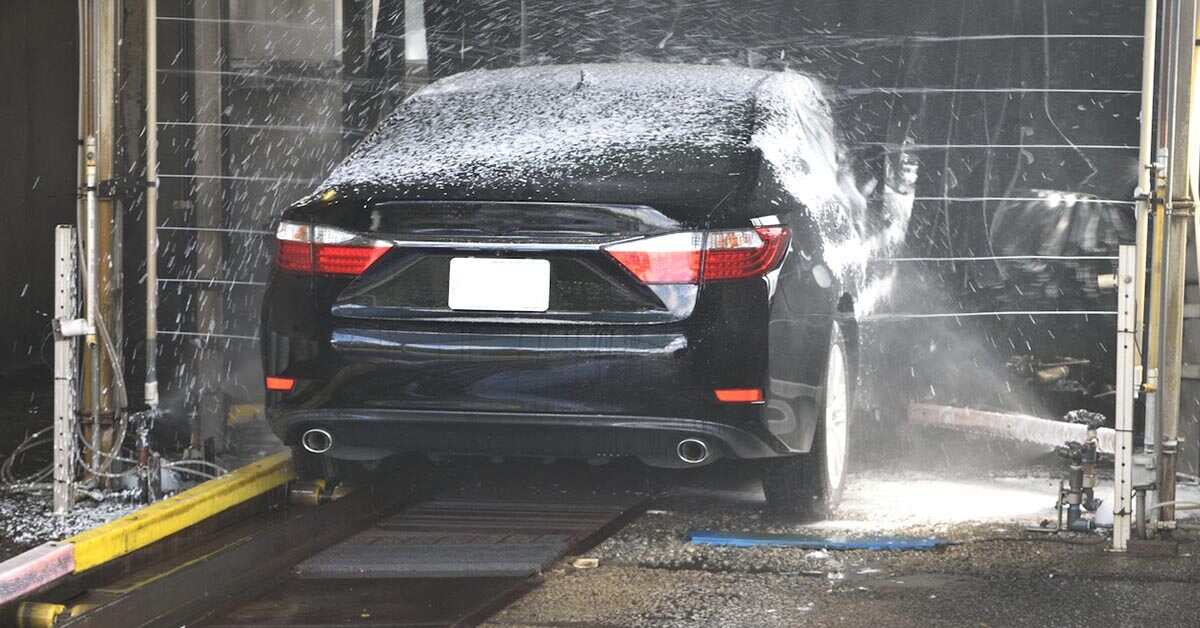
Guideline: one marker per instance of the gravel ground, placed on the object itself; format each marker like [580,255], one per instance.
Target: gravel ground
[990,572]
[993,574]
[26,520]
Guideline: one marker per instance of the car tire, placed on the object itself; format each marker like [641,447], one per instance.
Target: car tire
[810,485]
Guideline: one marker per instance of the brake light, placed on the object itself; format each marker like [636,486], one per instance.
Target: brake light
[321,250]
[672,258]
[347,260]
[745,253]
[694,256]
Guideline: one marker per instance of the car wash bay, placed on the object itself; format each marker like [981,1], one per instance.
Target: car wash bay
[1024,118]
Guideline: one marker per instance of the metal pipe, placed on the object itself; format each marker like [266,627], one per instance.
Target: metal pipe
[1143,516]
[93,289]
[1179,208]
[1162,121]
[1178,505]
[82,107]
[416,48]
[1145,150]
[151,384]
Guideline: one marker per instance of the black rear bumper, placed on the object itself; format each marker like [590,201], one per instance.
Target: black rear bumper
[653,439]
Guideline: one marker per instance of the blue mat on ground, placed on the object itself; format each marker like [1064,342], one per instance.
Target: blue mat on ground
[731,539]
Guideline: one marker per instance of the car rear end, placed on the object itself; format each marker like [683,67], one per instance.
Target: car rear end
[548,329]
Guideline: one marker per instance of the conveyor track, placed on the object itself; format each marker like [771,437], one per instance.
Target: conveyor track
[375,557]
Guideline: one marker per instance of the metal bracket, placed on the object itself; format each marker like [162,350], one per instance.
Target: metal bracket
[120,188]
[65,328]
[1181,207]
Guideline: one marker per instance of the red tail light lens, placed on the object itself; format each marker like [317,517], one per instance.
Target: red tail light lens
[695,256]
[324,250]
[294,256]
[746,253]
[672,258]
[347,260]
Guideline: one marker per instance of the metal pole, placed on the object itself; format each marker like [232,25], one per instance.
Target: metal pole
[109,217]
[101,230]
[1173,215]
[208,197]
[1145,154]
[416,49]
[151,385]
[1127,309]
[1179,209]
[93,290]
[65,274]
[1154,332]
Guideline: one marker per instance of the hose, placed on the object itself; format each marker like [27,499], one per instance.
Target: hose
[36,439]
[218,469]
[1179,505]
[200,474]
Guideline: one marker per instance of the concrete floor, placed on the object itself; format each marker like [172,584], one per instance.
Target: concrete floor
[992,572]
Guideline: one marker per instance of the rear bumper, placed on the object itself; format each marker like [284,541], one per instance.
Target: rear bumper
[654,439]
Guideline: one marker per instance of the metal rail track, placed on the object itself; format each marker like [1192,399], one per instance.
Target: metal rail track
[438,563]
[378,556]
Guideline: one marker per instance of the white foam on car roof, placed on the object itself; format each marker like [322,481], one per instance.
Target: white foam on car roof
[532,123]
[540,124]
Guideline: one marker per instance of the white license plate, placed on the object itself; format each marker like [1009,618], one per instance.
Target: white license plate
[504,285]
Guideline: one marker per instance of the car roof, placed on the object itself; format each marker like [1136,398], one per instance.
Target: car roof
[662,134]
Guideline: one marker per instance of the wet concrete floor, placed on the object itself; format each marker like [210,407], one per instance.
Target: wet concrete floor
[992,572]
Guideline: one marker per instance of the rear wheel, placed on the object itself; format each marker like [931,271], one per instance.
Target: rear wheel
[811,484]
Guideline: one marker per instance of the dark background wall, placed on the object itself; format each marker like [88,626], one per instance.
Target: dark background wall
[1010,104]
[38,67]
[1006,100]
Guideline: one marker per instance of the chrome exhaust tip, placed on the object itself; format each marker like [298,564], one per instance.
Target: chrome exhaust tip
[692,450]
[316,441]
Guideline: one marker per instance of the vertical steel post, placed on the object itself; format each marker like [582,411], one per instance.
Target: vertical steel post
[208,197]
[1127,319]
[93,297]
[65,368]
[1179,206]
[1145,153]
[151,384]
[102,237]
[416,49]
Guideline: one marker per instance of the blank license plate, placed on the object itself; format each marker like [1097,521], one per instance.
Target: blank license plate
[506,285]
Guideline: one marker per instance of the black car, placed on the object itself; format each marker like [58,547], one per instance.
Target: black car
[590,261]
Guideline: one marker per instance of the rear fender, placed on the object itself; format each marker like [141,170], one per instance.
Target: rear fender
[803,312]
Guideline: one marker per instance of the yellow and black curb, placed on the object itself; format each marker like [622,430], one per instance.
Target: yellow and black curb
[51,562]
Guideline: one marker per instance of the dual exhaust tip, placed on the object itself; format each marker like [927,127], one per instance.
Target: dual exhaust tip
[692,451]
[689,450]
[316,441]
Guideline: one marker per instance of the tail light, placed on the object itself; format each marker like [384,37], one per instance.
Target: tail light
[321,250]
[693,257]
